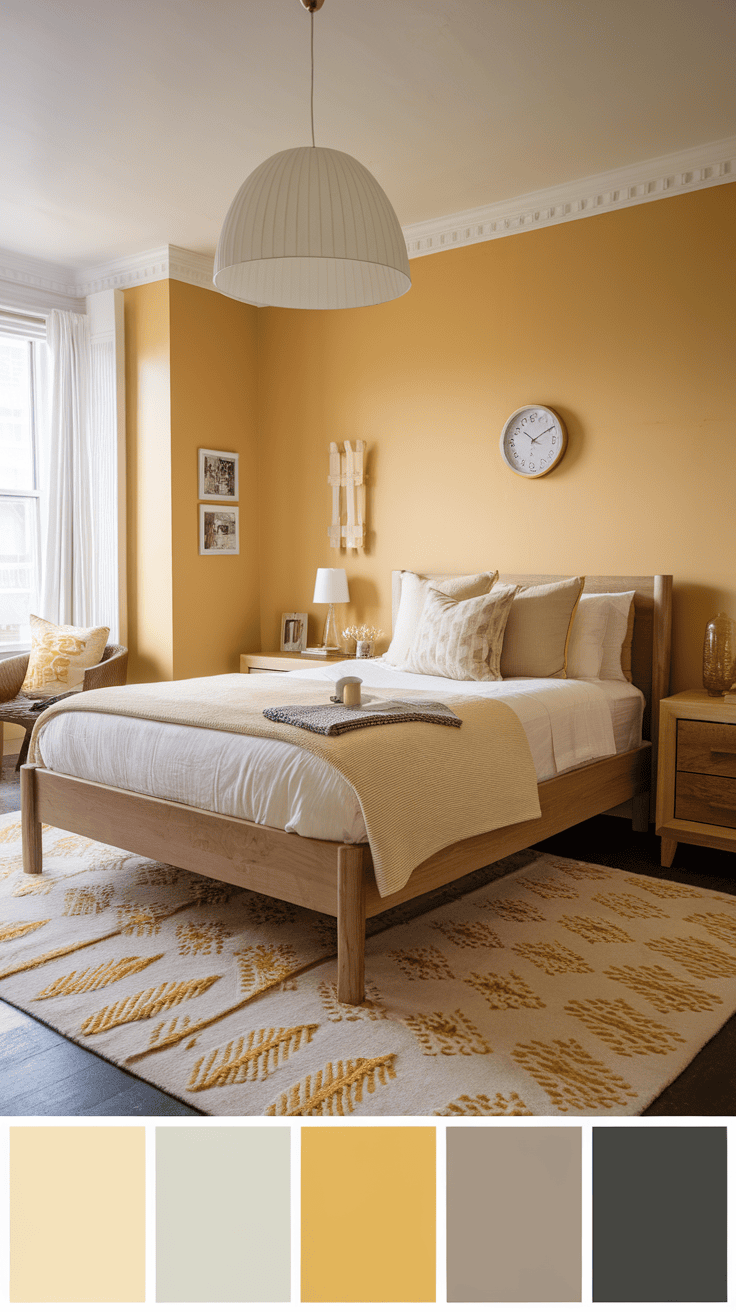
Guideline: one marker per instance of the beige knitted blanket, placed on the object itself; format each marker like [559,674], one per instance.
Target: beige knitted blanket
[421,786]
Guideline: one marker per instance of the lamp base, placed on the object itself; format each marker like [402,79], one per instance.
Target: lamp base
[330,638]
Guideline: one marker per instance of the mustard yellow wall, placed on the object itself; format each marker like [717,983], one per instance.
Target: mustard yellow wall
[213,404]
[191,376]
[624,322]
[148,431]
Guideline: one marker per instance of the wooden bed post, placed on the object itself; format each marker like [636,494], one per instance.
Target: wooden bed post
[30,826]
[350,925]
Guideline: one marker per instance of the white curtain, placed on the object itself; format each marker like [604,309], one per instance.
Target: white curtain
[78,462]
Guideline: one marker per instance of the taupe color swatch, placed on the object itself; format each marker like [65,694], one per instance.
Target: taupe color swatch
[222,1215]
[514,1214]
[77,1214]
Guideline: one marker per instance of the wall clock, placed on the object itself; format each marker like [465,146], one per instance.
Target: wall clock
[533,441]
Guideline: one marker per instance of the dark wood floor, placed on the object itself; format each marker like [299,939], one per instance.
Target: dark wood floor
[43,1074]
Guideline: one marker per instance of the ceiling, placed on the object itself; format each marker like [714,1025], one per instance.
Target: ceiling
[129,124]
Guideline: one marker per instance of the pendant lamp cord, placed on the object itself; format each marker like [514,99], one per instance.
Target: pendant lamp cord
[311,45]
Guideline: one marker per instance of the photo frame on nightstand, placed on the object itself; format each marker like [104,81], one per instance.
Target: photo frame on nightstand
[293,631]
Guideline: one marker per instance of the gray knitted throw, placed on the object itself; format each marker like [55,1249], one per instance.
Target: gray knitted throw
[335,719]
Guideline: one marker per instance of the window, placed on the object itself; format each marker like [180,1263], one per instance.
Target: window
[19,495]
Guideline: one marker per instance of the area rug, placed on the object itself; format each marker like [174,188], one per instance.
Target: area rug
[558,988]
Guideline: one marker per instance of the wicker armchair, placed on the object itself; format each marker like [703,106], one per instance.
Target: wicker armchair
[17,709]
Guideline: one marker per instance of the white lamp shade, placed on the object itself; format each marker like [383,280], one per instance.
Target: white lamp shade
[310,229]
[331,585]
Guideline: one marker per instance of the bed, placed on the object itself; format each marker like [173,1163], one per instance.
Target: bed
[337,877]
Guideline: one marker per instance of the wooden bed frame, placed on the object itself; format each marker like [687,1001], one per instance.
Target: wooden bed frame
[337,878]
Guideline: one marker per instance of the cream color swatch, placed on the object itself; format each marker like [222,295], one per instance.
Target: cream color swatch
[77,1214]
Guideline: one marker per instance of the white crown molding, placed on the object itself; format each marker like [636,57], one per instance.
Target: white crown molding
[671,175]
[30,284]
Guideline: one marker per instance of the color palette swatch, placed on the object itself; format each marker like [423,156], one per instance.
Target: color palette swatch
[514,1215]
[336,1213]
[77,1214]
[223,1223]
[659,1214]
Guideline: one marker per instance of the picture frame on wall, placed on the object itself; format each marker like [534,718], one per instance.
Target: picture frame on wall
[219,531]
[218,475]
[293,631]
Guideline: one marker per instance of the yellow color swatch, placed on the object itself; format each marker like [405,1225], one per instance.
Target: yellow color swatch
[77,1214]
[368,1214]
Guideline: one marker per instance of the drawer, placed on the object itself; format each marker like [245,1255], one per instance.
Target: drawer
[704,747]
[708,799]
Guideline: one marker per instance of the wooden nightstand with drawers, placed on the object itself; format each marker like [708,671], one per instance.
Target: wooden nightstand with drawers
[280,662]
[696,775]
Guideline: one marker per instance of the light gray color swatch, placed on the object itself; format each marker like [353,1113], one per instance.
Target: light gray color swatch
[223,1231]
[514,1214]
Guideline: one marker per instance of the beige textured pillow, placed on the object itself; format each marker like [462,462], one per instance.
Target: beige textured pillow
[535,641]
[60,654]
[461,639]
[413,596]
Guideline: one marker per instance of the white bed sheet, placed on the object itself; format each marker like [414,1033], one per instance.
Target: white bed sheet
[567,723]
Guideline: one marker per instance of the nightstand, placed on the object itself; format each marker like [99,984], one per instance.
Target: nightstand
[280,662]
[696,775]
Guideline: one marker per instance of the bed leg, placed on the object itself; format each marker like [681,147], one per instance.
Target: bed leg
[640,813]
[30,825]
[350,926]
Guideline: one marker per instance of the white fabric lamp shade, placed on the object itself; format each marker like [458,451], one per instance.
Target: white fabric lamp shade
[311,229]
[331,585]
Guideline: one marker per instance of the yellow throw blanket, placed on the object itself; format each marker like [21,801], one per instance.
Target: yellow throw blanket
[421,786]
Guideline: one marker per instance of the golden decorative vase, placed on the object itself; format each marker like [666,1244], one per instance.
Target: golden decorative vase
[719,655]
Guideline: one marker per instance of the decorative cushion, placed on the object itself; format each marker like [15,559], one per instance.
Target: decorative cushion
[536,637]
[60,654]
[587,636]
[413,596]
[616,663]
[461,639]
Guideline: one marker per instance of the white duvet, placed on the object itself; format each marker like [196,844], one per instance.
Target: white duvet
[568,722]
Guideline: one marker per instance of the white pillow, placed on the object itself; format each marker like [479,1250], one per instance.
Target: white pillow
[587,637]
[617,606]
[411,604]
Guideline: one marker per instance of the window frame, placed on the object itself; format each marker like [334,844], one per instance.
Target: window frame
[26,494]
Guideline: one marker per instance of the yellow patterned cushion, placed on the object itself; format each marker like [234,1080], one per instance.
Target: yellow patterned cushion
[60,654]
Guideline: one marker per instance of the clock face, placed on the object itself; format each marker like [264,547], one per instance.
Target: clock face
[533,441]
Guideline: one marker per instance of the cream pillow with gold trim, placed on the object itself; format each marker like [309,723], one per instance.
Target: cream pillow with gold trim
[461,639]
[538,628]
[60,654]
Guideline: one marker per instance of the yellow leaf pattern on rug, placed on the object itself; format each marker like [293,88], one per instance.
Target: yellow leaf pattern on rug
[505,992]
[450,1035]
[468,933]
[96,977]
[335,1091]
[665,992]
[547,888]
[512,909]
[595,931]
[422,963]
[146,1004]
[18,928]
[194,937]
[577,869]
[70,845]
[159,875]
[210,892]
[263,910]
[11,833]
[371,1008]
[662,887]
[253,1056]
[133,918]
[717,923]
[553,958]
[88,901]
[482,1105]
[622,1028]
[703,960]
[265,963]
[571,1078]
[631,907]
[106,861]
[34,887]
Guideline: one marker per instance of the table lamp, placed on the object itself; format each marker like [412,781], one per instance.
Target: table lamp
[330,586]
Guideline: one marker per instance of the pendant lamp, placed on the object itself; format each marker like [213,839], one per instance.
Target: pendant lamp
[311,229]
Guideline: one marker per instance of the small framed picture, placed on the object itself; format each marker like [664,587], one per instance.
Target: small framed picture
[219,531]
[293,632]
[218,475]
